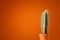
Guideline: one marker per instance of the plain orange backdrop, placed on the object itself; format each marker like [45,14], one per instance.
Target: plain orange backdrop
[21,19]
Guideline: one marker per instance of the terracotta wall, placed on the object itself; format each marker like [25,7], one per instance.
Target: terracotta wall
[21,20]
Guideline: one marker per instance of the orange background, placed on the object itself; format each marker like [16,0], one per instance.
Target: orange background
[21,20]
